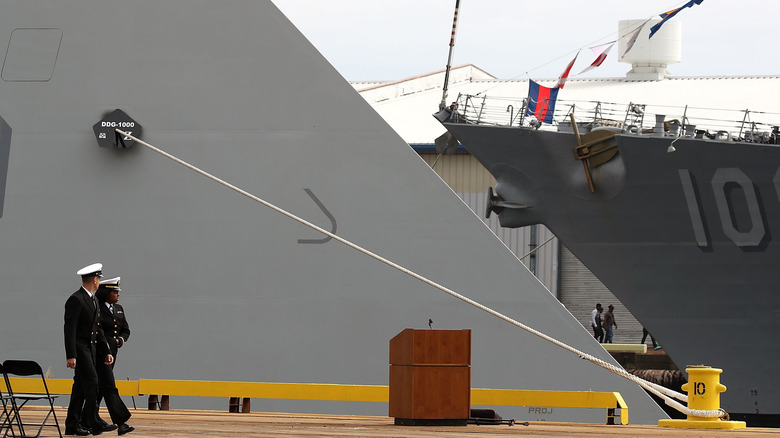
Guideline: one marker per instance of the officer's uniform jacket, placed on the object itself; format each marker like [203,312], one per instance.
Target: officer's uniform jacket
[82,326]
[114,326]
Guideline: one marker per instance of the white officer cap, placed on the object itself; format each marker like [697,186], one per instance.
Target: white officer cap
[111,283]
[93,269]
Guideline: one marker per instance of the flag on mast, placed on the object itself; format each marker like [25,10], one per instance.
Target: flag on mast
[562,78]
[666,16]
[541,102]
[601,54]
[632,38]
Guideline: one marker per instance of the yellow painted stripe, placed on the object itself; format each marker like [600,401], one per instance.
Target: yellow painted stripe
[290,391]
[561,399]
[322,391]
[63,386]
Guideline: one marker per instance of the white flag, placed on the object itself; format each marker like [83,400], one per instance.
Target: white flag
[632,38]
[601,54]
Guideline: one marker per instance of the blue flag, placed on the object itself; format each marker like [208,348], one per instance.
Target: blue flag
[541,102]
[669,14]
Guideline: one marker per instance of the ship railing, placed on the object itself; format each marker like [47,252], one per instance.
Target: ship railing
[633,117]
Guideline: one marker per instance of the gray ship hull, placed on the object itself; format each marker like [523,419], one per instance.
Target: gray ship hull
[683,239]
[218,287]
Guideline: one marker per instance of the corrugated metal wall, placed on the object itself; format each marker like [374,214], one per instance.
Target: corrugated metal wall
[556,267]
[466,176]
[581,290]
[543,262]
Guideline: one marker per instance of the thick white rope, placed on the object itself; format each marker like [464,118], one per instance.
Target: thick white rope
[658,390]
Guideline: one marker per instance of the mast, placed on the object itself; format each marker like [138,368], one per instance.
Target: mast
[443,103]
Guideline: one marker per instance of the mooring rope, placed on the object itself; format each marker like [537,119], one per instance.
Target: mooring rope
[537,247]
[660,391]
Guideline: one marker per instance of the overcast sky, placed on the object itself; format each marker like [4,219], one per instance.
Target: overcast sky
[391,40]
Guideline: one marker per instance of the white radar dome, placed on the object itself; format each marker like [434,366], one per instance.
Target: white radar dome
[649,57]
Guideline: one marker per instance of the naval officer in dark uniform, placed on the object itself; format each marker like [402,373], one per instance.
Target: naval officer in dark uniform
[84,344]
[117,331]
[112,317]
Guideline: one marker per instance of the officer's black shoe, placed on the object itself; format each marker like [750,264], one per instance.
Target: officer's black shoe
[125,428]
[78,430]
[107,427]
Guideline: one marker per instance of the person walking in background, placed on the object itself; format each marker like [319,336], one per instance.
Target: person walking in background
[595,322]
[609,322]
[84,344]
[644,336]
[117,331]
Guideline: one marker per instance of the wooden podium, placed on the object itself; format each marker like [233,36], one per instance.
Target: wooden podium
[430,377]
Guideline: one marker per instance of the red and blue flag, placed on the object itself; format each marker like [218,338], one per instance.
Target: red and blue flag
[541,102]
[666,16]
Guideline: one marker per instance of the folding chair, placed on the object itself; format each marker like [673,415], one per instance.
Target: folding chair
[28,368]
[5,419]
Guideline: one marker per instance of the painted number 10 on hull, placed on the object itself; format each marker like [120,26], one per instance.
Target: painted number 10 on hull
[723,184]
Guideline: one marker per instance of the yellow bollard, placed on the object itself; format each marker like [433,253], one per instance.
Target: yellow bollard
[703,390]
